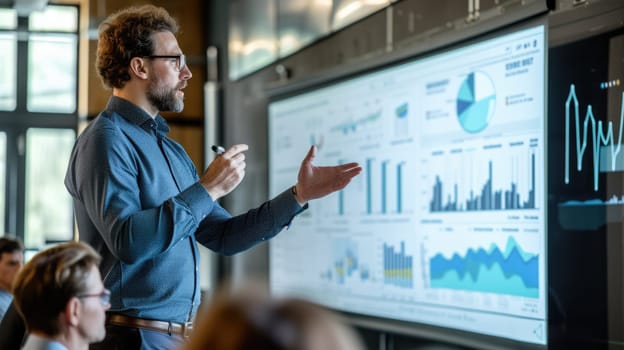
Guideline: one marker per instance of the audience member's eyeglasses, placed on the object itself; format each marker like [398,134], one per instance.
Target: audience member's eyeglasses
[180,60]
[104,296]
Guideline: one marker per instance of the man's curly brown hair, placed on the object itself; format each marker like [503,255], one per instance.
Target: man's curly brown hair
[127,34]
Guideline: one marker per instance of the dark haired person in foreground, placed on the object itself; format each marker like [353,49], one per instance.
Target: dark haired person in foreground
[139,200]
[60,295]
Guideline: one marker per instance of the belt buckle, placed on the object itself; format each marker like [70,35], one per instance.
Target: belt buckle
[187,328]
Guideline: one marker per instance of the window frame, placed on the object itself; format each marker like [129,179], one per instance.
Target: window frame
[16,123]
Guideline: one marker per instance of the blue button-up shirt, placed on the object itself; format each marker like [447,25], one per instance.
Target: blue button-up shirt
[34,342]
[138,202]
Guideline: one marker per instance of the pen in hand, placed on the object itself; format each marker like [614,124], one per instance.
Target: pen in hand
[218,149]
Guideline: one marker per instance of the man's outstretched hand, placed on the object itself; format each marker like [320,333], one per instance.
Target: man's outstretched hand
[318,181]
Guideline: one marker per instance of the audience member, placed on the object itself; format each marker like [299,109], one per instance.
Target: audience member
[60,295]
[242,321]
[11,260]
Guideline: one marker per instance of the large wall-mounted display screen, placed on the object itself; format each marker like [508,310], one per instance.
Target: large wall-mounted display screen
[446,224]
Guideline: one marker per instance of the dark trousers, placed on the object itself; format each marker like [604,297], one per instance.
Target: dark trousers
[125,338]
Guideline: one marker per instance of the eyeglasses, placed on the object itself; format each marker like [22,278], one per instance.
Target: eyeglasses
[180,60]
[104,296]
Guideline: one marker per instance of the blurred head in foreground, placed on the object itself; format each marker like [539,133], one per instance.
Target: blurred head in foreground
[247,320]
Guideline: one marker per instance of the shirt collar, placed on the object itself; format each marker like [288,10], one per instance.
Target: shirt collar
[37,342]
[137,115]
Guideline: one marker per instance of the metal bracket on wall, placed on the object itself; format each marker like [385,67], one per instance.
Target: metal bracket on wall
[473,10]
[283,72]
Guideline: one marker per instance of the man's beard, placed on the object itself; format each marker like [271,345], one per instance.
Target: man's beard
[164,99]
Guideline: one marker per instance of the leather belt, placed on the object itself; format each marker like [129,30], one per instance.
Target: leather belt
[168,327]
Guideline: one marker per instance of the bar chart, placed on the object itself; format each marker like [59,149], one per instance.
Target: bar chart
[384,187]
[504,176]
[397,266]
[487,198]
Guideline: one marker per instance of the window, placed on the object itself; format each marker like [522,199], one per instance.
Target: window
[3,175]
[48,212]
[8,19]
[8,60]
[52,73]
[55,18]
[38,118]
[52,60]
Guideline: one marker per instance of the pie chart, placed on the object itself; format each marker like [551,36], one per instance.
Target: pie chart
[475,102]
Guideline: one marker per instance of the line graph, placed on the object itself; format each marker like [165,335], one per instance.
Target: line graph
[598,137]
[352,126]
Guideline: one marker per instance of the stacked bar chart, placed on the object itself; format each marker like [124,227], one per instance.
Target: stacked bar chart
[397,266]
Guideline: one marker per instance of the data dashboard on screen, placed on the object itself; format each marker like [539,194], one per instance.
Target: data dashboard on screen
[445,226]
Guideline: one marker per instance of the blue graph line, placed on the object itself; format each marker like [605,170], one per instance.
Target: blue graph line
[598,137]
[352,126]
